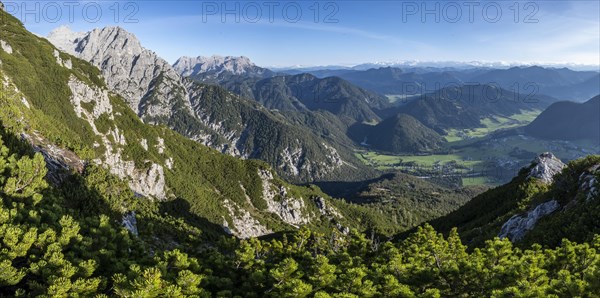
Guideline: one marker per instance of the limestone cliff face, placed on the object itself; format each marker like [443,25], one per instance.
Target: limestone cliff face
[132,71]
[147,182]
[90,103]
[293,211]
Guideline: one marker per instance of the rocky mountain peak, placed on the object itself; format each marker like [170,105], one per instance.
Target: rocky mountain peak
[190,66]
[65,39]
[546,166]
[112,40]
[131,70]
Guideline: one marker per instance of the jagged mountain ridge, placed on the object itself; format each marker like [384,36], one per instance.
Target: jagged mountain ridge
[152,89]
[217,67]
[159,95]
[390,80]
[133,71]
[562,83]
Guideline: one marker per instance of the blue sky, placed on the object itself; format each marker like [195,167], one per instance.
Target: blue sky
[341,32]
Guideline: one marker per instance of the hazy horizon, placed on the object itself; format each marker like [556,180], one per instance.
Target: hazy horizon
[286,34]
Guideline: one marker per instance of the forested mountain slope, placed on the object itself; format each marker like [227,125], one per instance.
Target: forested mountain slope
[568,121]
[66,241]
[401,133]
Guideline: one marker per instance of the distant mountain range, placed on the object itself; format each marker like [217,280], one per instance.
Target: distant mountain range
[302,92]
[561,83]
[432,65]
[391,80]
[446,99]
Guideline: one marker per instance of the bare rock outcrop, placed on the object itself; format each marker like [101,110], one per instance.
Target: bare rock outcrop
[518,225]
[291,210]
[149,181]
[546,167]
[244,225]
[60,162]
[130,222]
[325,209]
[6,47]
[588,183]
